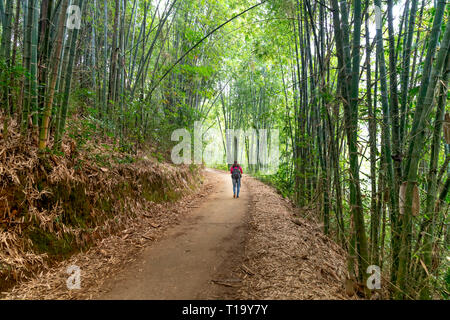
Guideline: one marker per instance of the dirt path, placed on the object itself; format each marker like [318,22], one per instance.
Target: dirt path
[192,259]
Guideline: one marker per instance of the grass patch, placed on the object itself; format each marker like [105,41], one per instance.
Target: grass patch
[56,248]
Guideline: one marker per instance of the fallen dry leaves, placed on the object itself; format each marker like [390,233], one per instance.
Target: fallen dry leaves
[287,257]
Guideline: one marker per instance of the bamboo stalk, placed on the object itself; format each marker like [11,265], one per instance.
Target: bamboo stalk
[43,135]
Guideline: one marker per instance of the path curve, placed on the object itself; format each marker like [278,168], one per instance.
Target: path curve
[192,259]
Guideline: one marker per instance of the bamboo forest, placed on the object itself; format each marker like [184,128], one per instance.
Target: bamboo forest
[101,99]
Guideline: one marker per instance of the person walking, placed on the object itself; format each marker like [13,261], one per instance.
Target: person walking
[236,175]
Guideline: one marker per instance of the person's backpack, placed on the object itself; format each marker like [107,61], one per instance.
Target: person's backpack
[236,173]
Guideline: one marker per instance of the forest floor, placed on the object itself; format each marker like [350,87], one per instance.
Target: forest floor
[213,247]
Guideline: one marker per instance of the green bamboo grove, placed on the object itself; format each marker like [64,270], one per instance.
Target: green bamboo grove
[357,89]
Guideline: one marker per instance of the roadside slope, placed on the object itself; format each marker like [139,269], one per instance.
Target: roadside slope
[284,260]
[53,205]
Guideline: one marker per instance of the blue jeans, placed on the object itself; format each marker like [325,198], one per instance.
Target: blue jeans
[236,184]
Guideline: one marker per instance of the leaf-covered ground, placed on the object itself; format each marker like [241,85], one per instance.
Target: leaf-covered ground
[287,260]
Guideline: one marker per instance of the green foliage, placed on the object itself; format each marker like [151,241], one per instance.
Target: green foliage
[83,131]
[446,291]
[282,181]
[159,156]
[56,248]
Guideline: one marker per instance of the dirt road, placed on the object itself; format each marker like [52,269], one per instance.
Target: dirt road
[194,259]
